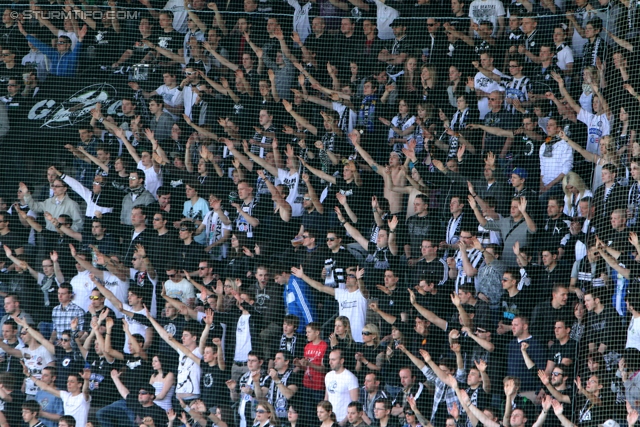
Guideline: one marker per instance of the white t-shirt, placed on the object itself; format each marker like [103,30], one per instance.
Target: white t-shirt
[485,84]
[76,406]
[82,286]
[152,179]
[354,306]
[338,387]
[118,288]
[36,361]
[183,290]
[243,339]
[384,17]
[597,127]
[292,181]
[180,15]
[486,10]
[134,326]
[214,231]
[633,333]
[564,57]
[188,374]
[171,97]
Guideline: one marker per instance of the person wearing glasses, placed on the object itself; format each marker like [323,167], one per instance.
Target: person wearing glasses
[97,199]
[57,205]
[35,357]
[138,406]
[556,384]
[68,358]
[64,58]
[514,301]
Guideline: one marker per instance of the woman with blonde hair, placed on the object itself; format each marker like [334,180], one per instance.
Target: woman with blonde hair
[326,415]
[342,339]
[265,415]
[574,190]
[369,358]
[430,90]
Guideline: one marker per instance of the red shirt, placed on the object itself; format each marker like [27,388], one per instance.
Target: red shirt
[313,379]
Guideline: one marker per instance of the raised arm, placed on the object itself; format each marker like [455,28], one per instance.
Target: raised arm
[427,314]
[353,232]
[565,94]
[299,273]
[35,334]
[130,148]
[260,161]
[173,343]
[324,176]
[303,121]
[354,137]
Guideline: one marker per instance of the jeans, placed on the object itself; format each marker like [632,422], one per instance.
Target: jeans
[116,415]
[553,191]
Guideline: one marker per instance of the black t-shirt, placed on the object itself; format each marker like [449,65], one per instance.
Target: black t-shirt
[171,41]
[158,414]
[106,42]
[557,352]
[188,256]
[13,410]
[503,120]
[139,49]
[136,373]
[213,390]
[13,241]
[101,385]
[67,363]
[520,304]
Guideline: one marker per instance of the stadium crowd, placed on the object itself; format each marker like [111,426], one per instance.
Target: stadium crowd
[302,212]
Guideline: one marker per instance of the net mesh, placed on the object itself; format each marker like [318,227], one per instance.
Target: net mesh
[222,214]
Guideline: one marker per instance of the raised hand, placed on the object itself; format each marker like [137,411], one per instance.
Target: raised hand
[557,407]
[298,272]
[481,365]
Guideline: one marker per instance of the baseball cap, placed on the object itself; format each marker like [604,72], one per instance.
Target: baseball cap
[521,172]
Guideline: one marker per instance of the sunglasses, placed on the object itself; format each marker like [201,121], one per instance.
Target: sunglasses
[184,229]
[94,298]
[65,339]
[99,184]
[202,268]
[172,275]
[262,411]
[366,333]
[556,374]
[331,239]
[132,178]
